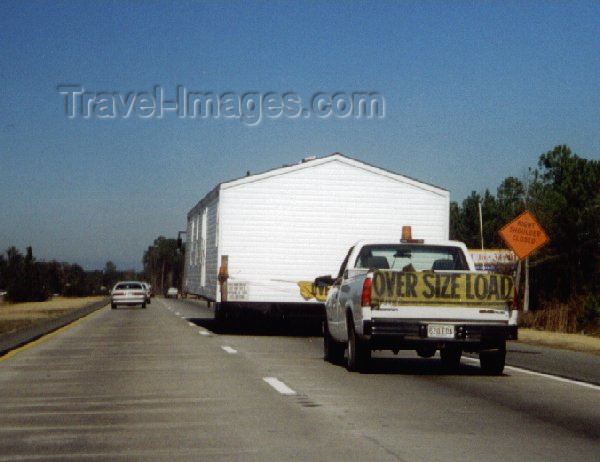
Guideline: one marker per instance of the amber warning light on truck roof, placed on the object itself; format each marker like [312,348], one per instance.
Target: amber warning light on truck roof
[407,236]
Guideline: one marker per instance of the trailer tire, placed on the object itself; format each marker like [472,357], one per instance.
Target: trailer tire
[144,305]
[450,356]
[221,316]
[333,351]
[359,352]
[492,362]
[113,306]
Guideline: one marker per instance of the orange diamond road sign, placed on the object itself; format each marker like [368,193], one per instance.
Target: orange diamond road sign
[524,234]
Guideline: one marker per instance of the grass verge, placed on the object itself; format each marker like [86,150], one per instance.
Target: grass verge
[15,316]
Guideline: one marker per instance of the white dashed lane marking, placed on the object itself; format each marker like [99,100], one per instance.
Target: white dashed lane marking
[279,386]
[229,350]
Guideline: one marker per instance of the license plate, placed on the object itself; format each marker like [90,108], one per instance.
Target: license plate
[440,330]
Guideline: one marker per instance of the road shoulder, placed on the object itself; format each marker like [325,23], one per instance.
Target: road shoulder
[573,342]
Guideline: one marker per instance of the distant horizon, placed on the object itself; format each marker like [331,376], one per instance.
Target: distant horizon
[123,265]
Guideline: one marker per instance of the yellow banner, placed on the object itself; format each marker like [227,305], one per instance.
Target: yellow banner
[308,291]
[429,288]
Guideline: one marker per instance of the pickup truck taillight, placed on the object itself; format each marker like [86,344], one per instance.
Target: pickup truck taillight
[366,293]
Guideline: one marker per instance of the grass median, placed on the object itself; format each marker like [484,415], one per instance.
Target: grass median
[16,316]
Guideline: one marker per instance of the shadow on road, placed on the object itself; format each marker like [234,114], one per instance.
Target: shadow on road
[418,366]
[262,327]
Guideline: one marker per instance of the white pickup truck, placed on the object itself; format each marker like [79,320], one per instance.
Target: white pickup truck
[416,295]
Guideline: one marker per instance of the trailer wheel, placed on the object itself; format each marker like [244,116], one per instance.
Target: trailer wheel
[451,358]
[221,316]
[113,306]
[359,353]
[492,361]
[333,351]
[144,305]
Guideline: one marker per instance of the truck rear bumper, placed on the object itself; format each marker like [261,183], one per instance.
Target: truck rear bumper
[397,334]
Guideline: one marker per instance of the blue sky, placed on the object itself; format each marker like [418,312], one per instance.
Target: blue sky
[474,92]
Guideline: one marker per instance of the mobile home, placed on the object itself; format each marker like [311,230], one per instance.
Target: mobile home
[256,243]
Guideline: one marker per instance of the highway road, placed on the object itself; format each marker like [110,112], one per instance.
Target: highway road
[159,384]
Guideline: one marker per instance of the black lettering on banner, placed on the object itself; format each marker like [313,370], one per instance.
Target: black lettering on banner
[390,279]
[437,285]
[378,283]
[481,287]
[506,287]
[411,284]
[454,286]
[444,282]
[493,287]
[429,291]
[470,295]
[399,284]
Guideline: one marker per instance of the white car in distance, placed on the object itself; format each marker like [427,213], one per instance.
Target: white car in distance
[172,292]
[128,293]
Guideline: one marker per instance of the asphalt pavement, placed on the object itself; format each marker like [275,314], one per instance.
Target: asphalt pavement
[165,384]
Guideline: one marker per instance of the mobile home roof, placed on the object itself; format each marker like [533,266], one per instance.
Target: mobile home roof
[312,162]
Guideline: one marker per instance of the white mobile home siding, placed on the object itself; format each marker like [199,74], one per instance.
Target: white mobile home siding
[296,223]
[197,249]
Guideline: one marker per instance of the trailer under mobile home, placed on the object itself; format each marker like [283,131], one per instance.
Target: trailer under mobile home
[256,243]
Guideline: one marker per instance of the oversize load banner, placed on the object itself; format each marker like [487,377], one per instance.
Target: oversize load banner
[428,288]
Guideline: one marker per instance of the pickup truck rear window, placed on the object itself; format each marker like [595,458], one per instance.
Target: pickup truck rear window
[127,286]
[412,257]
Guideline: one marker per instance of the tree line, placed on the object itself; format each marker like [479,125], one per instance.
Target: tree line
[163,264]
[25,279]
[563,192]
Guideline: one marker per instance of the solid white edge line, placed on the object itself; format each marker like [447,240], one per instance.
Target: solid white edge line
[279,386]
[541,374]
[555,377]
[229,350]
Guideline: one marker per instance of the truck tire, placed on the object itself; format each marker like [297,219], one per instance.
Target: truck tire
[113,306]
[144,305]
[333,351]
[221,316]
[359,353]
[492,361]
[451,358]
